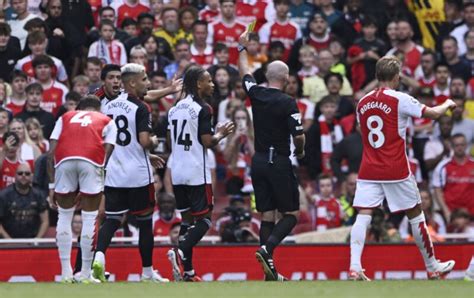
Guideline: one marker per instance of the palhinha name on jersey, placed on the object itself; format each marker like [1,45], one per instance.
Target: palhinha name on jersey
[375,105]
[184,106]
[119,104]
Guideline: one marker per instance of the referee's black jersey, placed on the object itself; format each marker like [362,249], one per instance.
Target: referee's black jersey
[275,117]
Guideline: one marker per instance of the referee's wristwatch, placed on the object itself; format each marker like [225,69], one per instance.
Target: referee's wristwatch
[241,48]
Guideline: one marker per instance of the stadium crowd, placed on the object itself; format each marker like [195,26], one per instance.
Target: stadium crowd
[52,53]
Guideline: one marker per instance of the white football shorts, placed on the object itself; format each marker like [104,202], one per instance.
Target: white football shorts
[401,196]
[76,174]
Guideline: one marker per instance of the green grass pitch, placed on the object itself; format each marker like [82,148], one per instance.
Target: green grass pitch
[296,289]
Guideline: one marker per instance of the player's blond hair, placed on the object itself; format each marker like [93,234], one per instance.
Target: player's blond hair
[387,68]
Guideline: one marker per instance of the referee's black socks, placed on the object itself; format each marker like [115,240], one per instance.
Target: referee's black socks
[194,235]
[266,229]
[280,231]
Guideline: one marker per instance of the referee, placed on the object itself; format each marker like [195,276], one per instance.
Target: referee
[276,118]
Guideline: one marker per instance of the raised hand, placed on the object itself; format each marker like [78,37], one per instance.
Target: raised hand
[156,161]
[225,129]
[176,85]
[450,104]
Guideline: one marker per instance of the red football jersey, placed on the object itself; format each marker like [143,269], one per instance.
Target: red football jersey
[249,10]
[319,43]
[328,214]
[440,96]
[54,97]
[411,59]
[287,32]
[209,15]
[205,59]
[26,65]
[227,34]
[89,129]
[383,115]
[457,182]
[96,5]
[162,228]
[15,109]
[124,10]
[8,172]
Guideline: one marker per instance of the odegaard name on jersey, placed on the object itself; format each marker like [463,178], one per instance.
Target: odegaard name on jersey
[375,105]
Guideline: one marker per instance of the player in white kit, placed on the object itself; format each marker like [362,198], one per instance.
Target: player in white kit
[129,177]
[191,133]
[383,115]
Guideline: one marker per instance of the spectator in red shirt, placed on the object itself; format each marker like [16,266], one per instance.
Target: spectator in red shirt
[327,213]
[210,12]
[9,159]
[166,217]
[128,9]
[54,92]
[38,43]
[453,179]
[282,29]
[424,74]
[201,52]
[319,37]
[441,85]
[406,49]
[227,30]
[17,99]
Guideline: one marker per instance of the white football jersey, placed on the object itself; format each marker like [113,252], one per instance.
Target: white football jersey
[129,165]
[187,121]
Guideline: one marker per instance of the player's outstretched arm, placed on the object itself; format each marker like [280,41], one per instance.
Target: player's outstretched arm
[222,131]
[155,95]
[436,112]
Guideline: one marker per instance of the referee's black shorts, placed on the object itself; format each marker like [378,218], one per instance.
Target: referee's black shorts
[275,185]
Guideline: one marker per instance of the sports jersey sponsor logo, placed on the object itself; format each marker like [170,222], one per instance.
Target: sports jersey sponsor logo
[375,105]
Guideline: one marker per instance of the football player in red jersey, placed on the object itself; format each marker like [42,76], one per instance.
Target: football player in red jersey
[81,143]
[383,115]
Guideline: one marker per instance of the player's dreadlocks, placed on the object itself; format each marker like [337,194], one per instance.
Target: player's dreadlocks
[191,76]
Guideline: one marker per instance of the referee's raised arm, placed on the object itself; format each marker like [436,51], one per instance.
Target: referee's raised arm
[243,59]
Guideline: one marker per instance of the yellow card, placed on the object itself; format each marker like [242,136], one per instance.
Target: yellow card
[251,26]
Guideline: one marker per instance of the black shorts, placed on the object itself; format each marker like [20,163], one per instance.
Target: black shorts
[119,200]
[275,185]
[199,199]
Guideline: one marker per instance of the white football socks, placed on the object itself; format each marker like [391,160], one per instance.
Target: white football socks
[358,233]
[470,269]
[88,234]
[64,240]
[423,241]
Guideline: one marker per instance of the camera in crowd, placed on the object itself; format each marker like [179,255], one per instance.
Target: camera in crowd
[238,228]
